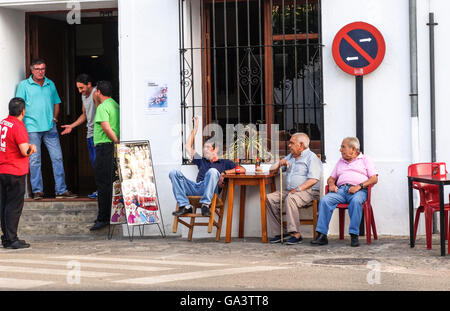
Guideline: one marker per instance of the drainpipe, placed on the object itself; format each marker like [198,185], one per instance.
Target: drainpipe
[431,24]
[414,90]
[413,81]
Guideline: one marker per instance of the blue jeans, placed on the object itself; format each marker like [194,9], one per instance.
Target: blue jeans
[91,148]
[329,202]
[51,141]
[182,187]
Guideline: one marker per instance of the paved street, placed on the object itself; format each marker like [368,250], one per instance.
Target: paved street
[173,263]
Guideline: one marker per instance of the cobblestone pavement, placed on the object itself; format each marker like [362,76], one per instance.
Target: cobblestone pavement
[173,263]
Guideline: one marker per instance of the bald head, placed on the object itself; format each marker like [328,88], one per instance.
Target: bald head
[301,138]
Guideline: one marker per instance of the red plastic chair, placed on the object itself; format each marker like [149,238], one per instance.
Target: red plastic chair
[368,216]
[448,232]
[429,201]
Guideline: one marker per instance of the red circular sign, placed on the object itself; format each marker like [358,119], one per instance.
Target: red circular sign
[358,48]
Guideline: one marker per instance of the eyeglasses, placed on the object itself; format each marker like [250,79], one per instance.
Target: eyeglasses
[39,69]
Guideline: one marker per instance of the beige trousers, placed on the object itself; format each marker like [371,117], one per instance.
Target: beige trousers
[291,203]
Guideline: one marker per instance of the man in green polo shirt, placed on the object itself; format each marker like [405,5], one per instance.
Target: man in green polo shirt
[106,133]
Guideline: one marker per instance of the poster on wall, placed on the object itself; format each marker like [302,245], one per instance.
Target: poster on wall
[156,98]
[138,185]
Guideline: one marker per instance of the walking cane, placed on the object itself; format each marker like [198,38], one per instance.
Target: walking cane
[281,203]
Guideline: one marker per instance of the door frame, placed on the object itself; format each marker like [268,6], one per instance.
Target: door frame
[28,35]
[32,50]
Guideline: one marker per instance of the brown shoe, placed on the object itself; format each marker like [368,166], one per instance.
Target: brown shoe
[66,195]
[38,196]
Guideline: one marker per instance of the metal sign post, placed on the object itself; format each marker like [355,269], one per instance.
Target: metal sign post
[359,111]
[358,49]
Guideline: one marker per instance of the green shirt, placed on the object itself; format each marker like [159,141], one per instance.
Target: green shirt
[106,111]
[39,102]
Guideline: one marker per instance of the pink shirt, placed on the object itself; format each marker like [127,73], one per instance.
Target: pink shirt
[355,172]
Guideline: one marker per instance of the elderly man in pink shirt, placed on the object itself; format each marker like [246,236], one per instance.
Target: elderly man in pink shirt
[347,184]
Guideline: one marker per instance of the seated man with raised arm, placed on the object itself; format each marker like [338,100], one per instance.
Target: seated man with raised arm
[211,171]
[348,183]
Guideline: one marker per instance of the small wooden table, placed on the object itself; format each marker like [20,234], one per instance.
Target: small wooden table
[248,179]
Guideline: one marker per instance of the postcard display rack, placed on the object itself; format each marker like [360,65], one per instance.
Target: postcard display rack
[135,197]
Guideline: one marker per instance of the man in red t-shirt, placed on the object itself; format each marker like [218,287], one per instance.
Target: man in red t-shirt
[14,166]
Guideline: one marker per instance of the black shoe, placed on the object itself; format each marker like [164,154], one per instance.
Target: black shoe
[205,210]
[18,244]
[320,240]
[6,243]
[354,242]
[99,225]
[183,210]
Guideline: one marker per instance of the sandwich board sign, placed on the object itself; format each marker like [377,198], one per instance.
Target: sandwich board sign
[135,198]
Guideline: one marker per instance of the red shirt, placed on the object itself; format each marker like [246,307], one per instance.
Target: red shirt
[12,134]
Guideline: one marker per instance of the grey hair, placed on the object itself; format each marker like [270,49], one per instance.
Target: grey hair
[302,138]
[352,142]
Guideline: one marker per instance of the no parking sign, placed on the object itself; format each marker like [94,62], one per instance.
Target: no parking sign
[358,48]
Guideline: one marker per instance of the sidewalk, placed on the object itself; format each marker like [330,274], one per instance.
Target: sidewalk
[244,264]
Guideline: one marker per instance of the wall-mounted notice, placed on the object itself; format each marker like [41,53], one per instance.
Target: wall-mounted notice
[156,100]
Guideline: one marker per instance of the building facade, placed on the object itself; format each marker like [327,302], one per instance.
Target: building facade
[256,61]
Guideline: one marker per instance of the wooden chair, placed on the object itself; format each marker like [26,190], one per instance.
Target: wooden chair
[217,208]
[313,221]
[310,221]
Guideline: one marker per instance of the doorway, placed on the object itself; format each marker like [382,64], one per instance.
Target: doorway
[69,50]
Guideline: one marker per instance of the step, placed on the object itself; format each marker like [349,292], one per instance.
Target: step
[60,217]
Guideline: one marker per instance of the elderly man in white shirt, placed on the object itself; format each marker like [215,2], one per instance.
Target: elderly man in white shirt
[303,172]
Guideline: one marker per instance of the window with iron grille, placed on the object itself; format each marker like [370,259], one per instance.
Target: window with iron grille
[253,62]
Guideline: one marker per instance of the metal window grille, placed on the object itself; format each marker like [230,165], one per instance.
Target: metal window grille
[253,62]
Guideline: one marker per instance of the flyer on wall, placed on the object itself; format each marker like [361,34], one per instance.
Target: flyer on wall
[138,183]
[156,97]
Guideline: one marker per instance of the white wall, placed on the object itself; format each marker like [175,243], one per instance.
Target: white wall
[386,105]
[441,11]
[149,49]
[12,55]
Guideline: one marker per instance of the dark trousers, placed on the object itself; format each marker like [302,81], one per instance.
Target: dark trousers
[104,169]
[12,191]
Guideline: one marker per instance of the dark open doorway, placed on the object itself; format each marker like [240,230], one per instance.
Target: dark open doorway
[71,49]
